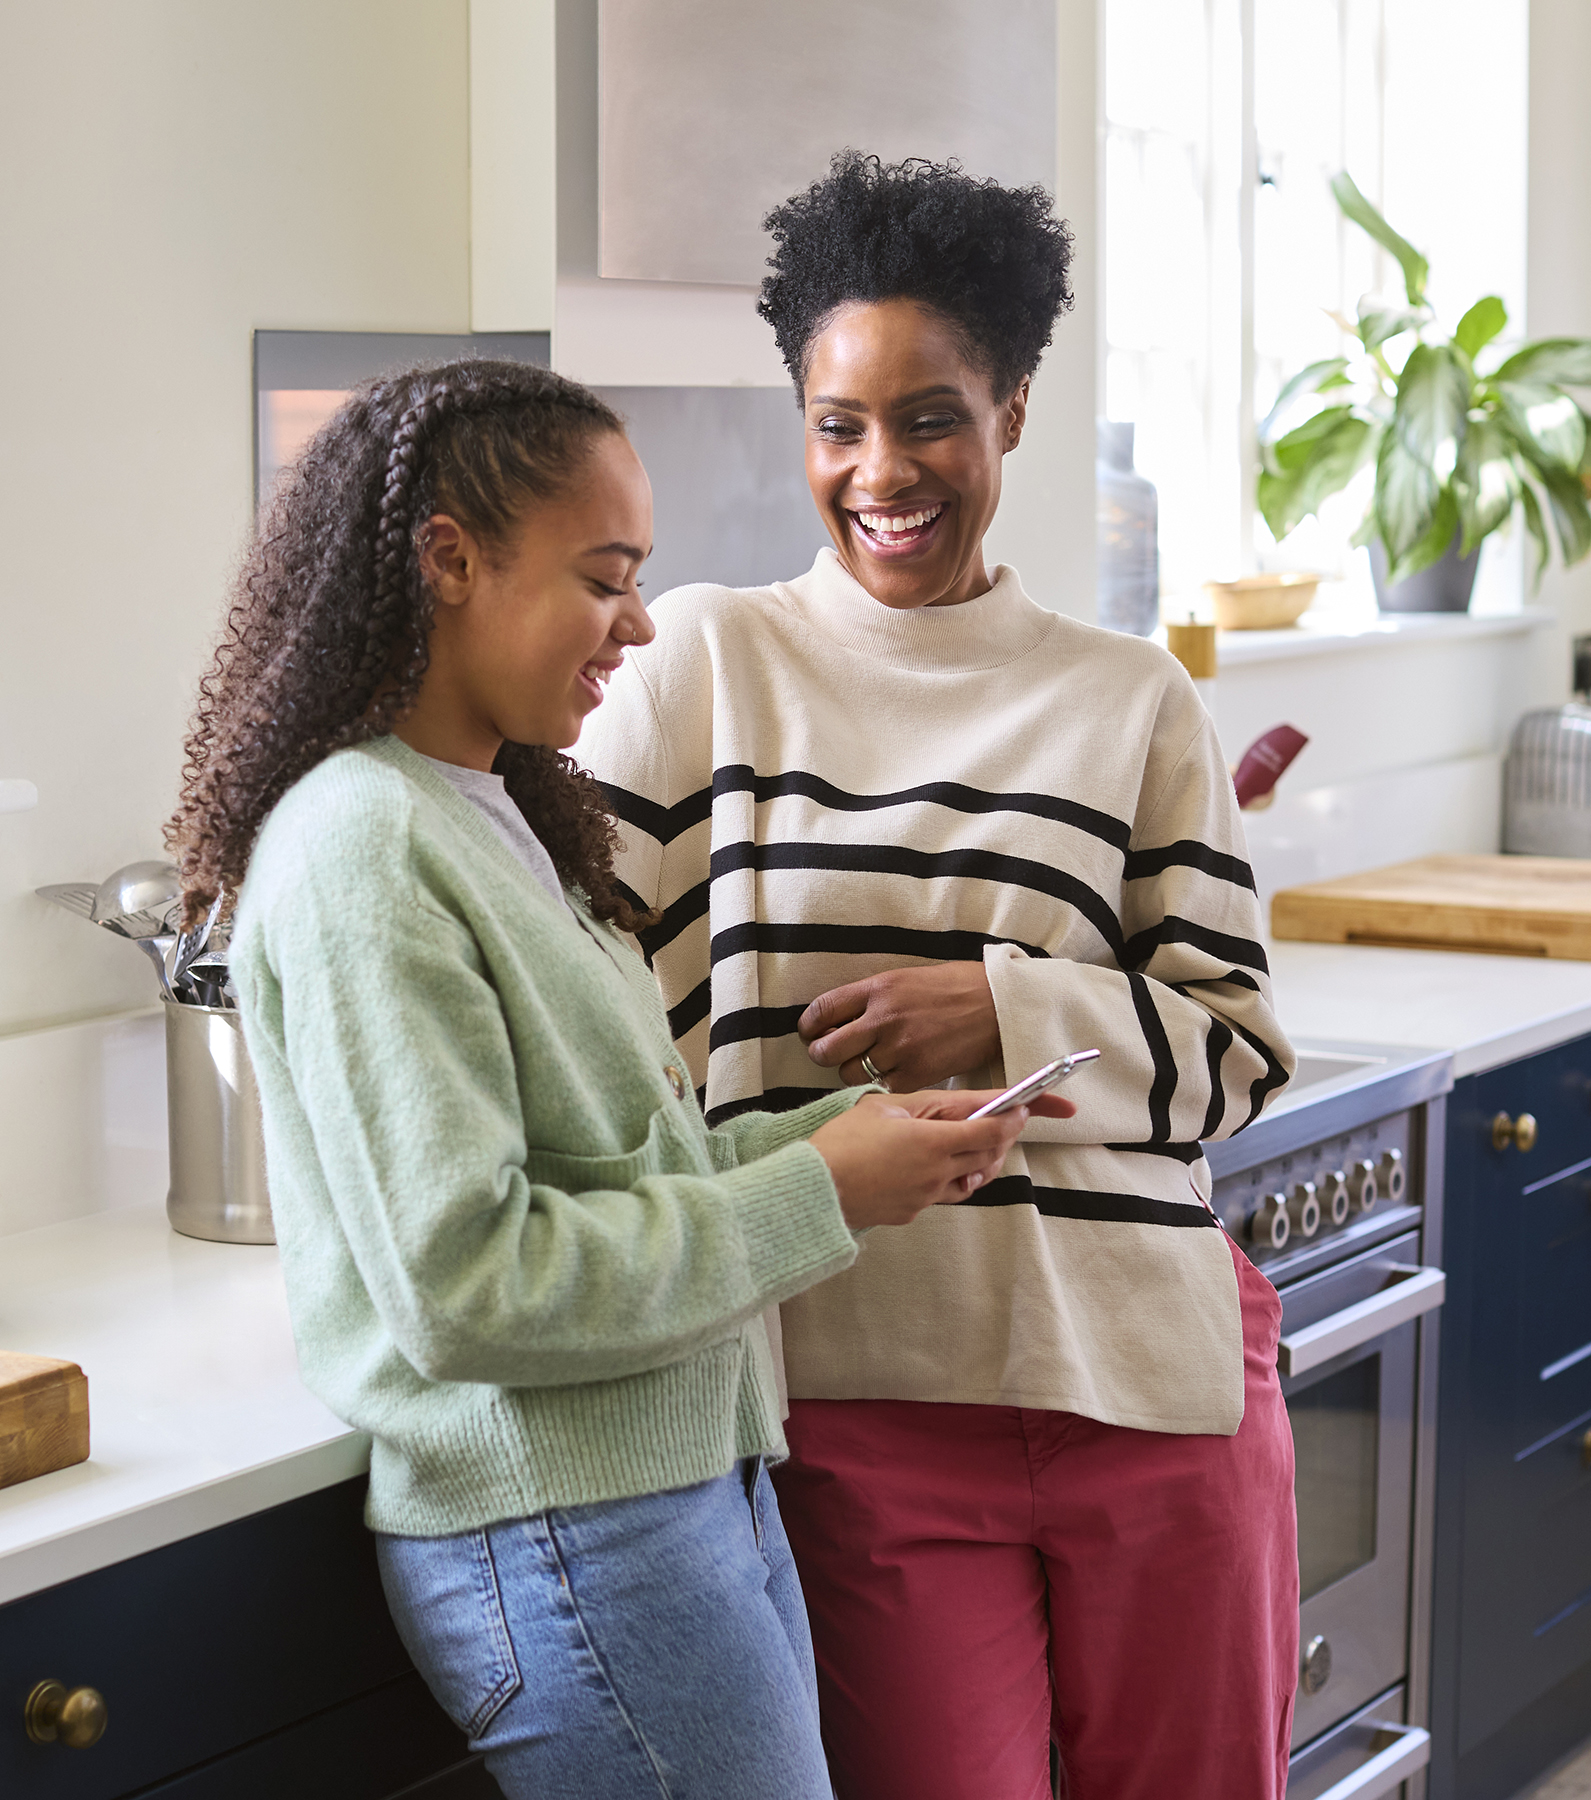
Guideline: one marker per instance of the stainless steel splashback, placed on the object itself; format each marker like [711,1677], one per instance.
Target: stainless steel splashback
[713,111]
[728,484]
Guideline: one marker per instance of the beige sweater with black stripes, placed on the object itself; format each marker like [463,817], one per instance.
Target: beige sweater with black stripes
[815,787]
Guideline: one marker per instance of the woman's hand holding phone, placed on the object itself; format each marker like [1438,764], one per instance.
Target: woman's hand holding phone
[893,1155]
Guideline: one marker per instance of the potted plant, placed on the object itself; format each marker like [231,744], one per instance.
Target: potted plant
[1457,448]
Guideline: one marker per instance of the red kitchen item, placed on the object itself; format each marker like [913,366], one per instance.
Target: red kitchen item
[1265,761]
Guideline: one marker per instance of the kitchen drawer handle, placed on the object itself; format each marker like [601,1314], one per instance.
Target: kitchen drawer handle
[56,1714]
[1420,1291]
[1520,1132]
[1388,1769]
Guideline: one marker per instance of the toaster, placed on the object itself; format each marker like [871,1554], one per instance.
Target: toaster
[1547,777]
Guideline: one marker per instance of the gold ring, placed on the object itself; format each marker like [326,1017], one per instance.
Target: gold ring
[869,1070]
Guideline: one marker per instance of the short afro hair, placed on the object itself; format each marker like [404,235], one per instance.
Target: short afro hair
[993,261]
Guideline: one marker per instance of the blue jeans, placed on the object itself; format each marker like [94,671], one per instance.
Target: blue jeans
[656,1646]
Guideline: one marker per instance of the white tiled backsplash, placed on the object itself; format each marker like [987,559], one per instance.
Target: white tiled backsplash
[82,1120]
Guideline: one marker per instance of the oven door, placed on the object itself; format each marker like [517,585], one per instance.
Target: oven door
[1347,1362]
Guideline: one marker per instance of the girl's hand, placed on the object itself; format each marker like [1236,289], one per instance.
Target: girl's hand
[919,1026]
[891,1158]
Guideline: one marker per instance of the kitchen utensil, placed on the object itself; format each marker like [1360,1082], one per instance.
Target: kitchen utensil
[217,1139]
[43,1416]
[188,944]
[76,896]
[137,887]
[1262,602]
[1502,905]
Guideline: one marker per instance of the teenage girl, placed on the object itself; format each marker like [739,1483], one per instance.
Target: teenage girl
[515,1254]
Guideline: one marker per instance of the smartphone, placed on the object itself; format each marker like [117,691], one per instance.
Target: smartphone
[1039,1082]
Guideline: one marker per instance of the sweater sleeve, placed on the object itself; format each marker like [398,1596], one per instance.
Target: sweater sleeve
[1191,1046]
[401,1065]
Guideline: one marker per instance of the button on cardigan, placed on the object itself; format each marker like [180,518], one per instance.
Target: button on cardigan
[514,1253]
[815,787]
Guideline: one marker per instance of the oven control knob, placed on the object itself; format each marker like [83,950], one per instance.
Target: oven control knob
[1315,1671]
[1362,1188]
[1270,1226]
[1303,1209]
[1393,1176]
[1334,1201]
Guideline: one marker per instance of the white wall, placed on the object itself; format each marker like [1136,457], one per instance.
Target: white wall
[178,174]
[651,334]
[1558,281]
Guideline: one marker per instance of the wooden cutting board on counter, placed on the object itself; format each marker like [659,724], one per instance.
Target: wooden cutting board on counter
[43,1416]
[1499,905]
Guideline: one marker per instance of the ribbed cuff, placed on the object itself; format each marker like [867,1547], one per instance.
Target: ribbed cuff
[791,1223]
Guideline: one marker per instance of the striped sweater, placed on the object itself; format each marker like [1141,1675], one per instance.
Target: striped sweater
[815,787]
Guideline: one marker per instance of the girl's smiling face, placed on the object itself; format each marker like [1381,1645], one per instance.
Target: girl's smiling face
[904,442]
[527,635]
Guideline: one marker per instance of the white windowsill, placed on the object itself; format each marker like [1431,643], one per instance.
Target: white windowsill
[1326,632]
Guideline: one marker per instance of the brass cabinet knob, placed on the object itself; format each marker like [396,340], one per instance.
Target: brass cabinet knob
[1585,1451]
[57,1714]
[1520,1132]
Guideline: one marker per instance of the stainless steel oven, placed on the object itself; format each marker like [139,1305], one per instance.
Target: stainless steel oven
[1336,1197]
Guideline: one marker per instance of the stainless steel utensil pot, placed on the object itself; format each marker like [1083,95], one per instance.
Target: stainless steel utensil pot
[217,1140]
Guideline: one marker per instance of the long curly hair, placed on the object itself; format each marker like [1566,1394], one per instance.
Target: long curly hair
[993,261]
[326,640]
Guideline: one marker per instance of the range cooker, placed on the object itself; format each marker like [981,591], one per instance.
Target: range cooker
[1336,1196]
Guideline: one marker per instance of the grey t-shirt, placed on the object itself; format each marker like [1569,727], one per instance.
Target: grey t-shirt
[487,792]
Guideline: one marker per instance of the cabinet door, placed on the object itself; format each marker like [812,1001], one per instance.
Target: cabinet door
[211,1644]
[1518,1373]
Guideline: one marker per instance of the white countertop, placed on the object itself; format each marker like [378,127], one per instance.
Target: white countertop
[197,1415]
[1487,1010]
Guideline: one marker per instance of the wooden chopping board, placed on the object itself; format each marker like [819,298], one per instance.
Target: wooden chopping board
[43,1416]
[1501,905]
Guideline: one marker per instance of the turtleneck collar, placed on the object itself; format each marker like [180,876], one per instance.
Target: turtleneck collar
[985,633]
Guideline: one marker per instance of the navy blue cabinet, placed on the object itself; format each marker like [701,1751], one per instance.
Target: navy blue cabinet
[246,1663]
[1511,1669]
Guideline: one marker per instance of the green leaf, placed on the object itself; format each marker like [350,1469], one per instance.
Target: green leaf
[1324,464]
[1298,447]
[1433,546]
[1378,323]
[1416,270]
[1565,361]
[1330,373]
[1537,527]
[1571,512]
[1480,325]
[1406,495]
[1432,409]
[1546,420]
[1486,480]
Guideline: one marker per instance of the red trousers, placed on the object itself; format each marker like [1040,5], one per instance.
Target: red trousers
[980,1578]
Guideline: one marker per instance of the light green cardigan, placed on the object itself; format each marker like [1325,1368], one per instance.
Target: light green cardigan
[514,1255]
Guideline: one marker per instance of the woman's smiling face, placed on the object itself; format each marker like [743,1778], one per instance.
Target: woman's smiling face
[904,442]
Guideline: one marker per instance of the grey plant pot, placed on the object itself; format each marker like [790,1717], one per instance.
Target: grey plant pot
[1444,587]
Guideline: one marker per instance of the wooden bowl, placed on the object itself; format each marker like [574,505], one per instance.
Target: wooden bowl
[1261,602]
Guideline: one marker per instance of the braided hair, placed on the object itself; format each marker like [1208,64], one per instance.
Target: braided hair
[326,640]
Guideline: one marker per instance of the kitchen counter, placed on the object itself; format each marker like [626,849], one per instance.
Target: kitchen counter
[1487,1010]
[197,1415]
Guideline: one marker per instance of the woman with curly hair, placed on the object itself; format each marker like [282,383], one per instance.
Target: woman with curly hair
[903,824]
[515,1254]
